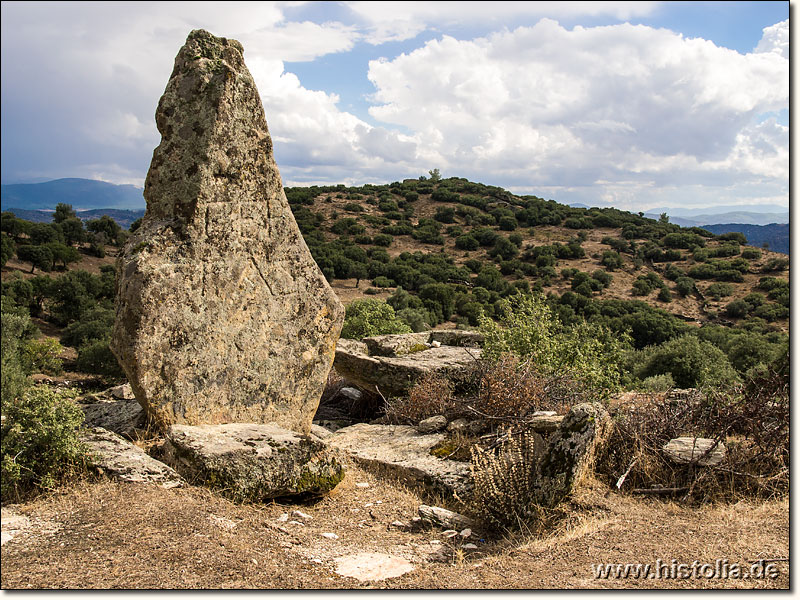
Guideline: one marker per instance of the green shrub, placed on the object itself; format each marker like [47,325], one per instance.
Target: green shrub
[467,242]
[719,290]
[40,444]
[751,253]
[41,356]
[96,357]
[417,320]
[690,361]
[684,285]
[368,317]
[13,380]
[657,383]
[528,329]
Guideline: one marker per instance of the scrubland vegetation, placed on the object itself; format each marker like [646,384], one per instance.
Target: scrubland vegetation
[574,303]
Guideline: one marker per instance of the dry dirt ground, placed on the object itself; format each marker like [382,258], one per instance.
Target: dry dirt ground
[107,535]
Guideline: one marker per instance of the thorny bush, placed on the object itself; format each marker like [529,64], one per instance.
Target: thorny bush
[751,419]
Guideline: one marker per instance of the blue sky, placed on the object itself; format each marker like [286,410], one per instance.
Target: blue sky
[635,104]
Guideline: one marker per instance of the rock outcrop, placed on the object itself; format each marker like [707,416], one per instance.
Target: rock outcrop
[222,314]
[253,462]
[401,452]
[393,363]
[119,459]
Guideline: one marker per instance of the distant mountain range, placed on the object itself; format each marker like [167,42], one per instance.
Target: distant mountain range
[82,194]
[752,214]
[123,217]
[775,234]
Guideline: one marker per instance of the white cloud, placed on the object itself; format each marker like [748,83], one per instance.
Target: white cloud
[393,21]
[775,40]
[549,106]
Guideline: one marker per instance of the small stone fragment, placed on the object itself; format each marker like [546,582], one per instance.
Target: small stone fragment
[330,536]
[445,518]
[457,425]
[362,484]
[703,451]
[300,514]
[283,518]
[465,533]
[372,566]
[469,546]
[432,424]
[122,392]
[351,393]
[450,533]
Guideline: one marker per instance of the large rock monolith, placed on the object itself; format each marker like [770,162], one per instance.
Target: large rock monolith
[222,314]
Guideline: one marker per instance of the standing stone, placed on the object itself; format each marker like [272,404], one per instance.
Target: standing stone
[222,314]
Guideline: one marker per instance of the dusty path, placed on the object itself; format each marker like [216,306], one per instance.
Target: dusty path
[108,535]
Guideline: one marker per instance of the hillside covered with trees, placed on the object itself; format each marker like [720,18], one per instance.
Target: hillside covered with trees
[433,252]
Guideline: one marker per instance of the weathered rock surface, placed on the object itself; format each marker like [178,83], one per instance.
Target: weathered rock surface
[702,451]
[222,314]
[119,416]
[12,523]
[253,461]
[395,369]
[372,566]
[446,518]
[119,459]
[432,424]
[570,452]
[402,452]
[122,392]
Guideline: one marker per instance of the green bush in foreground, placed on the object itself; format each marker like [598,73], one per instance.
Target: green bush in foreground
[40,444]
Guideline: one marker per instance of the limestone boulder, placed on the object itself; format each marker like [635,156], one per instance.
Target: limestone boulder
[222,314]
[401,452]
[253,462]
[397,366]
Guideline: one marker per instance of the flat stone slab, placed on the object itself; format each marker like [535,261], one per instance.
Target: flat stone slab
[122,416]
[395,375]
[372,566]
[120,459]
[12,523]
[401,451]
[255,462]
[686,450]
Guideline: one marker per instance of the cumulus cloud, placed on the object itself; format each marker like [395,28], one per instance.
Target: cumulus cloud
[775,40]
[394,21]
[81,80]
[552,106]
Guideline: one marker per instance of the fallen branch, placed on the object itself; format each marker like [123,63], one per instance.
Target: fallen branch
[672,490]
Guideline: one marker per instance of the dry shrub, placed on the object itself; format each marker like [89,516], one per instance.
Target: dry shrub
[431,395]
[751,419]
[511,388]
[505,481]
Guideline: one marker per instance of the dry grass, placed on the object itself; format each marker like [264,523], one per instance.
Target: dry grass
[108,535]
